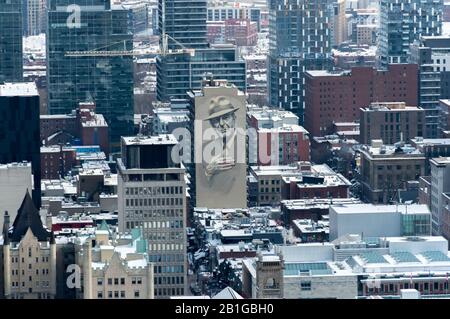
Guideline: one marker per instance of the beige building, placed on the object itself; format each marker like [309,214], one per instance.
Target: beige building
[115,268]
[152,196]
[339,23]
[391,122]
[385,169]
[28,256]
[366,34]
[262,277]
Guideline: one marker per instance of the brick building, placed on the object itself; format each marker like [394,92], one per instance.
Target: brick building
[391,122]
[82,124]
[277,130]
[337,96]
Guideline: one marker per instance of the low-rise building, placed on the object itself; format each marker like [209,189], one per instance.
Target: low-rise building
[115,268]
[385,169]
[380,220]
[391,122]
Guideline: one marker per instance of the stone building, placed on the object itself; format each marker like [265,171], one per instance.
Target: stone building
[28,255]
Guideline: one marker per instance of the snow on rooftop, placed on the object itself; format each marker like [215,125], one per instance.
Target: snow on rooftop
[18,89]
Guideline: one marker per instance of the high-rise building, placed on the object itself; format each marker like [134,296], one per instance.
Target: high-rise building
[183,25]
[338,26]
[19,129]
[152,196]
[337,96]
[299,40]
[34,17]
[184,22]
[180,72]
[402,22]
[432,54]
[107,79]
[219,146]
[391,122]
[11,64]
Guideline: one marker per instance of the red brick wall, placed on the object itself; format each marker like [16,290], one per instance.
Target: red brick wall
[330,99]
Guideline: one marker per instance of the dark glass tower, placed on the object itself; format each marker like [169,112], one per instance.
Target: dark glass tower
[184,21]
[11,64]
[299,40]
[106,79]
[19,129]
[402,22]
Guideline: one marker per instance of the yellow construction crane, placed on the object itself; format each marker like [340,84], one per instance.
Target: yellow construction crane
[108,53]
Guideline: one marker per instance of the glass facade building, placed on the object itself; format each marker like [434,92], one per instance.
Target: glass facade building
[184,21]
[20,130]
[11,64]
[178,73]
[105,79]
[299,40]
[432,55]
[402,22]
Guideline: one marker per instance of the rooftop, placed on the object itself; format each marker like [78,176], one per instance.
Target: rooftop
[163,139]
[18,89]
[381,209]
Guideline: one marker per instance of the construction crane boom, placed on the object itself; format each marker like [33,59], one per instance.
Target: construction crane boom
[109,53]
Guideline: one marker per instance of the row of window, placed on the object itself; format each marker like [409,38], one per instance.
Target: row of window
[120,281]
[166,258]
[168,269]
[117,294]
[16,271]
[157,190]
[16,259]
[266,182]
[154,213]
[169,292]
[177,280]
[129,202]
[44,284]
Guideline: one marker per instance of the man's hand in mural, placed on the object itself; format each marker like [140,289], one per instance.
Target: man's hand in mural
[219,163]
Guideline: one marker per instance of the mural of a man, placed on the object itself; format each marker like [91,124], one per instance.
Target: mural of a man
[222,119]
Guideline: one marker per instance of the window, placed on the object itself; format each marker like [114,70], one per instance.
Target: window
[305,285]
[122,281]
[116,294]
[139,280]
[116,281]
[109,281]
[100,294]
[136,294]
[109,294]
[99,281]
[122,294]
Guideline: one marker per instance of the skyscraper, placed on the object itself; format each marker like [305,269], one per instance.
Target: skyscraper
[182,25]
[107,79]
[151,196]
[432,55]
[299,40]
[184,22]
[34,17]
[402,22]
[19,129]
[11,65]
[181,72]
